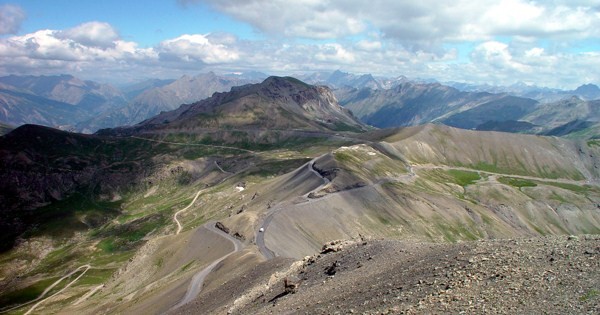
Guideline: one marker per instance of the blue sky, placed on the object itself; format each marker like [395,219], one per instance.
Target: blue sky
[144,22]
[553,43]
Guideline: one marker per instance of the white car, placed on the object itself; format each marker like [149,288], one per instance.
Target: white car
[261,230]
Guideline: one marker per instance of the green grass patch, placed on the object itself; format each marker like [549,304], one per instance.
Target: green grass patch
[159,262]
[101,258]
[62,218]
[458,177]
[344,156]
[581,189]
[125,237]
[95,276]
[340,126]
[591,294]
[58,258]
[516,182]
[538,229]
[186,266]
[593,143]
[540,171]
[107,245]
[464,178]
[487,167]
[558,198]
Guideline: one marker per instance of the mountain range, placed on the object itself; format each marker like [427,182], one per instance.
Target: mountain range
[59,101]
[156,99]
[278,103]
[410,103]
[542,94]
[272,197]
[69,103]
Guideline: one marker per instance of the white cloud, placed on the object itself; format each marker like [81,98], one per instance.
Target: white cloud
[304,18]
[369,45]
[458,41]
[428,21]
[92,34]
[197,47]
[53,45]
[11,17]
[335,54]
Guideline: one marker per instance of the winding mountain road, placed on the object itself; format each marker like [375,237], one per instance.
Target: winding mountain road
[266,221]
[197,281]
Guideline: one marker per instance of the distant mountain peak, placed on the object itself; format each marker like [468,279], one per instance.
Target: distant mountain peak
[587,88]
[284,103]
[278,81]
[588,91]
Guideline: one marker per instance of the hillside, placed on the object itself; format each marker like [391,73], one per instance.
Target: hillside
[68,89]
[339,79]
[411,103]
[69,103]
[156,218]
[390,277]
[277,106]
[541,94]
[19,108]
[56,101]
[167,97]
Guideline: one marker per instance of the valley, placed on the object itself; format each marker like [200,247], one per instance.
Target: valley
[209,207]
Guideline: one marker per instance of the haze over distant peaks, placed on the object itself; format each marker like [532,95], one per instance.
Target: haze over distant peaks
[59,101]
[276,103]
[151,102]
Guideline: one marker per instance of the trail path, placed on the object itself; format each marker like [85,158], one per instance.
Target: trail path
[197,282]
[221,169]
[41,298]
[179,226]
[266,221]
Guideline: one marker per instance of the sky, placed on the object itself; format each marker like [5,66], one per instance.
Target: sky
[552,43]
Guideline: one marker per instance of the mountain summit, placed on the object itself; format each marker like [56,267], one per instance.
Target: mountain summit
[277,103]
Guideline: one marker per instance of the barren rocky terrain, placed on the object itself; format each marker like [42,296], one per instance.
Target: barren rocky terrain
[547,275]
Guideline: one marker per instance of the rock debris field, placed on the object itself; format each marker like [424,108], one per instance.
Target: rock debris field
[548,275]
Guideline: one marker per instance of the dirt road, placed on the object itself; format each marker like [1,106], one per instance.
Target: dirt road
[179,227]
[264,224]
[197,282]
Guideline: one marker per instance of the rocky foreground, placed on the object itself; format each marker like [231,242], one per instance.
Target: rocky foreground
[549,275]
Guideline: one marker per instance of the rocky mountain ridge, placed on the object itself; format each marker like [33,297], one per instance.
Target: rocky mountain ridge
[278,103]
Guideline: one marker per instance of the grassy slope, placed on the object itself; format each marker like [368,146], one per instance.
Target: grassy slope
[434,204]
[442,204]
[497,152]
[83,229]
